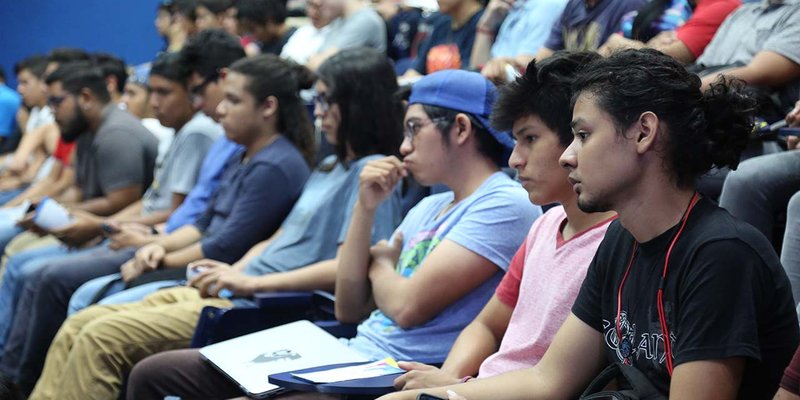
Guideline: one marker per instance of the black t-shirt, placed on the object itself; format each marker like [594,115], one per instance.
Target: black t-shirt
[725,295]
[277,46]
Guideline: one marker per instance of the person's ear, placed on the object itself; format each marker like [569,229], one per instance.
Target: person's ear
[269,107]
[85,99]
[463,128]
[647,130]
[111,84]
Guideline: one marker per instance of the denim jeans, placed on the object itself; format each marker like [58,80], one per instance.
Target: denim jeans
[761,188]
[115,294]
[18,269]
[790,253]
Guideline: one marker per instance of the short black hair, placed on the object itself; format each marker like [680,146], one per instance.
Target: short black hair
[78,75]
[487,144]
[2,74]
[215,6]
[36,65]
[261,11]
[171,67]
[64,55]
[545,91]
[209,50]
[112,65]
[187,8]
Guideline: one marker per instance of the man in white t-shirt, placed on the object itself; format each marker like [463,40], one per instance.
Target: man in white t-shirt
[39,132]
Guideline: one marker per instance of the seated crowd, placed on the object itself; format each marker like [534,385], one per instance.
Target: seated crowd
[511,199]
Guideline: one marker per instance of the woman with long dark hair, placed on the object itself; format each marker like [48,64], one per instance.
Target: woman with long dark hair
[300,256]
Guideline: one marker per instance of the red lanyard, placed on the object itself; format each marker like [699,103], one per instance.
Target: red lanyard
[660,297]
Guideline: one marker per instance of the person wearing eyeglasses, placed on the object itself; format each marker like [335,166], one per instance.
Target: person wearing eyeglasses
[679,291]
[28,164]
[208,50]
[48,275]
[465,237]
[308,237]
[516,326]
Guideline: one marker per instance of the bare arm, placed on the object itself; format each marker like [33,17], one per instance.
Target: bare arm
[112,202]
[50,138]
[28,144]
[180,238]
[70,196]
[353,289]
[317,59]
[182,257]
[675,49]
[415,300]
[617,42]
[38,189]
[493,16]
[317,276]
[128,212]
[784,394]
[481,49]
[574,358]
[767,68]
[717,379]
[135,215]
[480,339]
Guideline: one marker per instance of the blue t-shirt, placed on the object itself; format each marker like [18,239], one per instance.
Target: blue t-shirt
[492,222]
[581,28]
[443,34]
[253,198]
[318,223]
[672,17]
[9,105]
[210,173]
[177,171]
[526,27]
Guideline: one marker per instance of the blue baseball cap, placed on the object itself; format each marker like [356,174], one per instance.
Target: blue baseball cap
[464,91]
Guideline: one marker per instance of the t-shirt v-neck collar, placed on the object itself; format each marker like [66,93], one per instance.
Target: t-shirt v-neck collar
[560,241]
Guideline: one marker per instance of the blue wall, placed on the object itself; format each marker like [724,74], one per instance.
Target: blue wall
[121,27]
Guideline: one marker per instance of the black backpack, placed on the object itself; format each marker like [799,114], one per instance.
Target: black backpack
[639,386]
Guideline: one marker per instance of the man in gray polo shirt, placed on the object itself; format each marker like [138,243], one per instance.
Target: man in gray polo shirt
[760,42]
[115,154]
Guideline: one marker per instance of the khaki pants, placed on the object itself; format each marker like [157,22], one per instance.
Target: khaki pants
[98,346]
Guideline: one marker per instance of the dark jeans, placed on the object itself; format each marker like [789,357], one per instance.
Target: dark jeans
[43,308]
[761,187]
[790,253]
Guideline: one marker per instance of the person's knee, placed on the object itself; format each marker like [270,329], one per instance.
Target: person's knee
[54,280]
[745,176]
[146,372]
[793,209]
[14,266]
[83,318]
[49,276]
[99,336]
